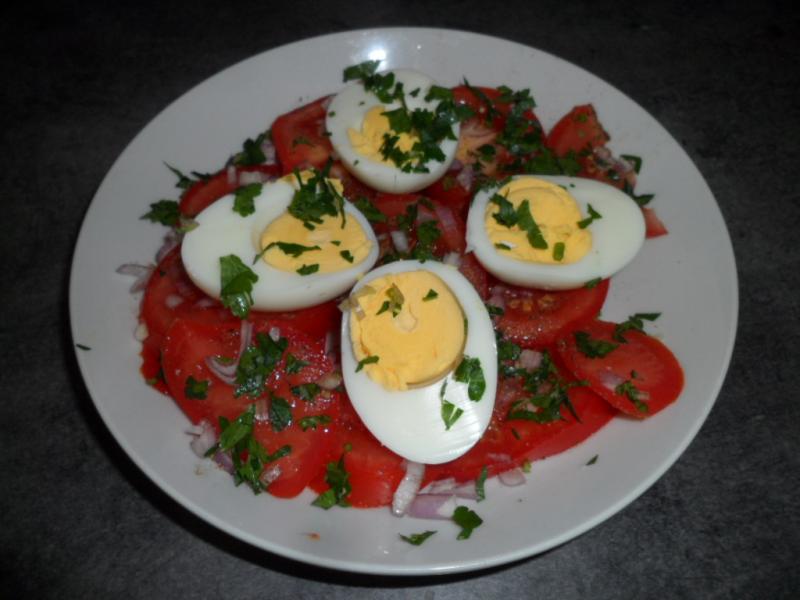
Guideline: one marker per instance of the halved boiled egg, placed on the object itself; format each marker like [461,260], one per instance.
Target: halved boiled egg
[554,232]
[359,128]
[419,359]
[299,263]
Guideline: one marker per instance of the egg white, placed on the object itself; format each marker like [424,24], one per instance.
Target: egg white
[409,422]
[616,238]
[220,231]
[347,110]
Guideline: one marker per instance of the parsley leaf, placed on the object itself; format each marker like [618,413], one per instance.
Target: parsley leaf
[592,283]
[395,301]
[316,198]
[306,391]
[635,322]
[480,482]
[256,365]
[236,285]
[345,254]
[549,392]
[558,251]
[592,461]
[338,479]
[308,269]
[632,393]
[280,413]
[294,364]
[591,347]
[368,209]
[165,212]
[415,539]
[367,361]
[471,373]
[291,249]
[467,519]
[431,295]
[251,153]
[527,224]
[450,414]
[244,199]
[506,216]
[314,421]
[196,389]
[593,216]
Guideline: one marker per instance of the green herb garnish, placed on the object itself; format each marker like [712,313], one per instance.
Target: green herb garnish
[367,361]
[165,212]
[308,269]
[257,363]
[338,479]
[345,254]
[471,373]
[415,539]
[280,413]
[635,322]
[195,389]
[236,285]
[431,295]
[558,251]
[306,391]
[591,347]
[467,519]
[244,199]
[313,421]
[480,483]
[593,216]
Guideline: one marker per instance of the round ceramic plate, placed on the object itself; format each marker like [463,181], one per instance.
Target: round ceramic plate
[689,276]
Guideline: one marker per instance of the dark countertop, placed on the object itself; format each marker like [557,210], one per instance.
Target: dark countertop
[79,520]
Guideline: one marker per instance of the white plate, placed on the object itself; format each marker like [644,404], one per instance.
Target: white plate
[689,275]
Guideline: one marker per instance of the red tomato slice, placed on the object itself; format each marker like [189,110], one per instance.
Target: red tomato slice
[476,274]
[577,130]
[449,192]
[204,193]
[299,137]
[653,225]
[536,318]
[657,372]
[507,444]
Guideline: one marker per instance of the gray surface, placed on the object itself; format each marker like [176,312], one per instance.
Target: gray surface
[77,519]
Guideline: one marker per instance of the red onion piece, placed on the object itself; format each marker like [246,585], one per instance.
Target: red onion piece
[330,381]
[233,178]
[610,380]
[262,410]
[432,506]
[171,240]
[275,334]
[269,475]
[450,486]
[268,148]
[440,486]
[248,177]
[499,458]
[407,489]
[202,442]
[467,491]
[205,302]
[226,371]
[453,259]
[529,359]
[466,177]
[224,460]
[456,165]
[141,272]
[400,241]
[512,477]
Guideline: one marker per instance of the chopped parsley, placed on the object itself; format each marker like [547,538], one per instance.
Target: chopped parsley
[308,269]
[368,209]
[394,303]
[549,393]
[416,539]
[236,285]
[367,361]
[632,393]
[471,373]
[450,412]
[635,161]
[345,254]
[480,482]
[592,461]
[527,224]
[593,216]
[338,479]
[591,347]
[197,390]
[558,251]
[506,216]
[290,249]
[306,391]
[635,322]
[244,199]
[494,311]
[313,421]
[294,364]
[427,234]
[315,199]
[251,153]
[467,519]
[236,439]
[280,413]
[257,363]
[165,212]
[431,295]
[502,246]
[592,283]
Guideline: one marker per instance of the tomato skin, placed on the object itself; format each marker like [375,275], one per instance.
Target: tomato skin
[476,274]
[658,372]
[537,318]
[299,137]
[449,192]
[576,131]
[653,225]
[204,193]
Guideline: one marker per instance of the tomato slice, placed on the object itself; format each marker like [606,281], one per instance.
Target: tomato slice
[476,274]
[653,225]
[576,130]
[299,137]
[507,444]
[203,193]
[536,318]
[450,192]
[644,361]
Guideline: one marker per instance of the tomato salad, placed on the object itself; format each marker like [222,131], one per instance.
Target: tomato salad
[564,373]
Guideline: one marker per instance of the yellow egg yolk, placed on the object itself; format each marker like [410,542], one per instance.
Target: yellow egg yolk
[554,211]
[413,323]
[369,140]
[287,244]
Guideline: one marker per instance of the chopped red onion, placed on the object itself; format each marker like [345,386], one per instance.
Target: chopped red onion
[450,486]
[233,178]
[610,380]
[408,488]
[432,506]
[141,272]
[400,241]
[173,300]
[456,165]
[269,475]
[466,177]
[512,477]
[248,177]
[330,381]
[440,486]
[467,491]
[268,148]
[330,342]
[529,359]
[224,460]
[226,371]
[262,410]
[275,334]
[499,458]
[453,259]
[202,442]
[171,240]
